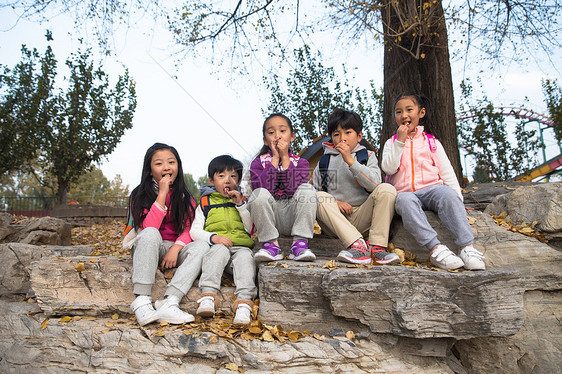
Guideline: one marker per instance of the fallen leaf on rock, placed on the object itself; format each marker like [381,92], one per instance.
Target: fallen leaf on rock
[65,319]
[350,335]
[231,366]
[213,339]
[44,324]
[80,267]
[110,324]
[471,220]
[267,336]
[115,316]
[318,337]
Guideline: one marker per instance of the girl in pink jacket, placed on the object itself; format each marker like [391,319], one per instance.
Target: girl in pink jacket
[418,167]
[161,211]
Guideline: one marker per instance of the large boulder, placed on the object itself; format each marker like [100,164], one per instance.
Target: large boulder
[97,286]
[536,349]
[30,343]
[393,299]
[541,203]
[16,259]
[40,231]
[539,263]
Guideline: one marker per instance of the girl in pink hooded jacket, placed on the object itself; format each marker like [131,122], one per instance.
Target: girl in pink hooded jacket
[418,167]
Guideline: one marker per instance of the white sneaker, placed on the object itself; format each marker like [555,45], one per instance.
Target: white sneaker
[206,306]
[242,317]
[168,310]
[143,309]
[472,258]
[444,258]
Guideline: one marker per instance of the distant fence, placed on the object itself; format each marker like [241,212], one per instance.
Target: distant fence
[39,206]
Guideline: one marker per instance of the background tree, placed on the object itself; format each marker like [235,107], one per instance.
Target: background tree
[94,184]
[312,91]
[414,34]
[502,149]
[66,131]
[191,185]
[553,99]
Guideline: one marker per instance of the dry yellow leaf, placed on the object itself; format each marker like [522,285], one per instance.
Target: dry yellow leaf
[94,260]
[350,335]
[80,267]
[267,336]
[65,319]
[294,336]
[115,316]
[255,330]
[231,366]
[109,324]
[318,337]
[44,324]
[213,339]
[159,333]
[471,220]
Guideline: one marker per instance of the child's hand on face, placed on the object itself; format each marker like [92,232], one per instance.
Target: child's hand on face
[345,150]
[218,239]
[165,183]
[345,208]
[402,133]
[282,147]
[236,196]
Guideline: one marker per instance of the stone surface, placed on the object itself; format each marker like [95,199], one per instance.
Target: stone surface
[104,286]
[538,262]
[541,203]
[40,231]
[536,349]
[16,259]
[461,305]
[478,196]
[92,346]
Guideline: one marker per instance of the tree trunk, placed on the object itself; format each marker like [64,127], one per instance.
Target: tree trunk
[61,193]
[428,74]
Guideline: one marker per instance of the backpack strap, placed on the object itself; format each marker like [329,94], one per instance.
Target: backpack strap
[362,156]
[206,206]
[323,167]
[432,143]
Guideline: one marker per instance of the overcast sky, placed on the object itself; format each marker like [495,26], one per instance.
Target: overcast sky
[204,113]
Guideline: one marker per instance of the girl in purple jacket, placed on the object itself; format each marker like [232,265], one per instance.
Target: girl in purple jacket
[282,201]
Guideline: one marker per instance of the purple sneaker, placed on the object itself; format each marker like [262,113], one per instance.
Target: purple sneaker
[300,251]
[269,252]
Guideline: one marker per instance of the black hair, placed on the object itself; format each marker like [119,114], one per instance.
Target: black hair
[265,148]
[143,196]
[422,102]
[346,119]
[224,163]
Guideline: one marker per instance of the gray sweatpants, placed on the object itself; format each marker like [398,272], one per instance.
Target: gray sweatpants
[442,200]
[237,260]
[148,252]
[294,216]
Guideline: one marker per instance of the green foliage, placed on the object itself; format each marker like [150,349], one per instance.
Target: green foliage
[63,131]
[94,183]
[191,185]
[553,99]
[313,91]
[500,154]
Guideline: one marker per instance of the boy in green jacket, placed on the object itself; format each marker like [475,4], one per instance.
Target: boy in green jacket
[223,220]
